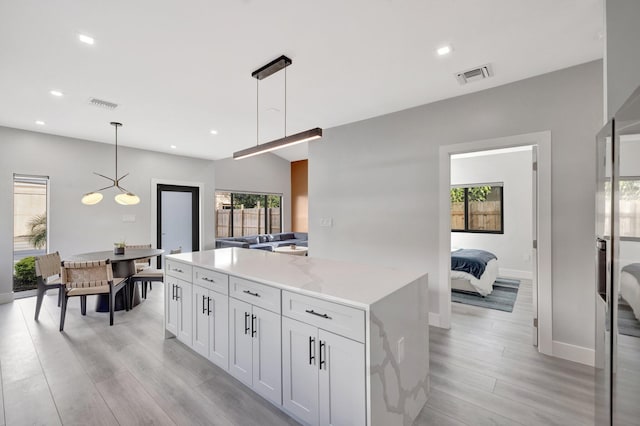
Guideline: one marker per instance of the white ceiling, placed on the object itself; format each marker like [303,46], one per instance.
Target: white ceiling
[181,68]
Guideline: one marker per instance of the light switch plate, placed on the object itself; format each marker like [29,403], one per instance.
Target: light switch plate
[129,218]
[326,221]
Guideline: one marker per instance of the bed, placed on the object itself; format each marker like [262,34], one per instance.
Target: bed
[630,287]
[473,271]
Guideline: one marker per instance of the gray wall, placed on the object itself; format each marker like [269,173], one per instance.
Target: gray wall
[623,53]
[378,180]
[513,169]
[70,163]
[261,173]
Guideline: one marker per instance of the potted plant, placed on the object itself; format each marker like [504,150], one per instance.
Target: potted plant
[118,248]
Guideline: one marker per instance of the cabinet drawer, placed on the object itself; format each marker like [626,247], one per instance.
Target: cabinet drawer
[255,293]
[333,317]
[211,279]
[178,270]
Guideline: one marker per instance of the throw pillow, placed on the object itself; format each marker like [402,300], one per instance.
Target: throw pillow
[251,240]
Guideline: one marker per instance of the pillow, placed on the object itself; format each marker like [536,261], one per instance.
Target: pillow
[251,240]
[274,237]
[263,239]
[287,236]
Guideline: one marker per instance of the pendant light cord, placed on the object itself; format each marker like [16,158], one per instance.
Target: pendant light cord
[257,111]
[285,101]
[116,176]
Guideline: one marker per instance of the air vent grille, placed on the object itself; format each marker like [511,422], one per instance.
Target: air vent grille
[475,74]
[102,103]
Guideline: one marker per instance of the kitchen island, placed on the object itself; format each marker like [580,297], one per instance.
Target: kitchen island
[328,342]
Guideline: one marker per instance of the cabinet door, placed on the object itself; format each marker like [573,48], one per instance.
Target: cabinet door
[171,309]
[219,329]
[240,341]
[342,380]
[201,320]
[267,359]
[185,319]
[300,370]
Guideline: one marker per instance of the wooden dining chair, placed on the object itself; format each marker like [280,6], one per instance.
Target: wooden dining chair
[47,277]
[88,278]
[144,263]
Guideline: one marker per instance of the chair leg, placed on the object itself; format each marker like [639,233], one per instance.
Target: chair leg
[128,296]
[59,297]
[150,285]
[143,284]
[63,310]
[112,302]
[83,305]
[39,297]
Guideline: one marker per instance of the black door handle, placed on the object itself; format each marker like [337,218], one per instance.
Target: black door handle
[312,345]
[323,349]
[251,293]
[178,288]
[203,309]
[312,312]
[253,326]
[208,306]
[246,325]
[173,291]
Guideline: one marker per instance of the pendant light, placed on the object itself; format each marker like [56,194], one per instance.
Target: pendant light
[261,73]
[125,197]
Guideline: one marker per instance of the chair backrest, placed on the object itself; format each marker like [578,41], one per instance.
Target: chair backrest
[146,260]
[86,274]
[48,265]
[176,251]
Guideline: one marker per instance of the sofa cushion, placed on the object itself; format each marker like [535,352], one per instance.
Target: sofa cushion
[263,239]
[253,239]
[287,236]
[274,237]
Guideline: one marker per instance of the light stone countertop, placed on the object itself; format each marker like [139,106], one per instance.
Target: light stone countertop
[353,284]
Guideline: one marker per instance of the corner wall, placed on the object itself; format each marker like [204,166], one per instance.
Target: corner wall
[378,181]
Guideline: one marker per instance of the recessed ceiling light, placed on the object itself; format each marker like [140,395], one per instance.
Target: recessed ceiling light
[86,39]
[173,147]
[40,122]
[214,132]
[444,50]
[56,93]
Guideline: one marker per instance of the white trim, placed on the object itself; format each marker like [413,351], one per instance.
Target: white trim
[154,206]
[543,142]
[6,298]
[574,353]
[434,319]
[515,273]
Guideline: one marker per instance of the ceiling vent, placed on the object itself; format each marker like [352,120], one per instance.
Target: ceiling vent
[102,103]
[475,74]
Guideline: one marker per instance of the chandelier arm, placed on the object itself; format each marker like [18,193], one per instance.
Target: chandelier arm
[122,189]
[106,177]
[102,189]
[123,176]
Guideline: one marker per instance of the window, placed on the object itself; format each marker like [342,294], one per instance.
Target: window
[477,208]
[29,228]
[240,213]
[629,205]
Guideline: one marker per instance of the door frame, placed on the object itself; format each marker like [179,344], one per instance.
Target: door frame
[545,309]
[154,206]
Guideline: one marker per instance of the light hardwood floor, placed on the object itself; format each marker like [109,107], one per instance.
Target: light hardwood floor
[484,371]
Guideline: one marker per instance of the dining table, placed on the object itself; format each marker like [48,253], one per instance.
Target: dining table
[124,266]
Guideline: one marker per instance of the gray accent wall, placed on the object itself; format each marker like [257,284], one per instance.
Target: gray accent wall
[377,182]
[70,163]
[623,53]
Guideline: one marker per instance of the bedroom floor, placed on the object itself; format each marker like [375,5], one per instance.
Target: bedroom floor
[486,372]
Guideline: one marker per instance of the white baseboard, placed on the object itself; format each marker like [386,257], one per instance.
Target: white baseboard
[574,353]
[434,319]
[6,298]
[515,273]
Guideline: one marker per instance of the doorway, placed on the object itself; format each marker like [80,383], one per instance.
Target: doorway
[177,218]
[541,230]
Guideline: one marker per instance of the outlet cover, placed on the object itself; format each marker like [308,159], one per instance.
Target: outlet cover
[326,221]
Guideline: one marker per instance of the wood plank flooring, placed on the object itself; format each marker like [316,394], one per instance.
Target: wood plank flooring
[484,372]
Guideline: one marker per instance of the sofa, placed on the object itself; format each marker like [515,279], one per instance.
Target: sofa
[264,241]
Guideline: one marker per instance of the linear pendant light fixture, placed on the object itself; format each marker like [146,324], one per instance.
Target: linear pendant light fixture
[261,73]
[125,197]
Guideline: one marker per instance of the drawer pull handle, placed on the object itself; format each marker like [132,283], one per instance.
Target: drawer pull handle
[312,312]
[178,270]
[208,279]
[251,293]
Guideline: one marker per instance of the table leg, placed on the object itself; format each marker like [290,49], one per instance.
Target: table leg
[124,269]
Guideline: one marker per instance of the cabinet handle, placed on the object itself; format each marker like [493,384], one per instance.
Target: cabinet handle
[173,292]
[323,349]
[208,279]
[204,311]
[246,325]
[178,270]
[254,331]
[178,288]
[312,345]
[208,306]
[251,293]
[312,312]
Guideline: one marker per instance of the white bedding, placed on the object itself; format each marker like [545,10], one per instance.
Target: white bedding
[630,292]
[484,285]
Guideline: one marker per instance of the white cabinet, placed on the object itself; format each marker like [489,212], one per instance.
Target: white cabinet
[323,375]
[178,318]
[210,325]
[254,348]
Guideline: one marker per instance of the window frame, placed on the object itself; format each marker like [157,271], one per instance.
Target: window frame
[265,196]
[466,188]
